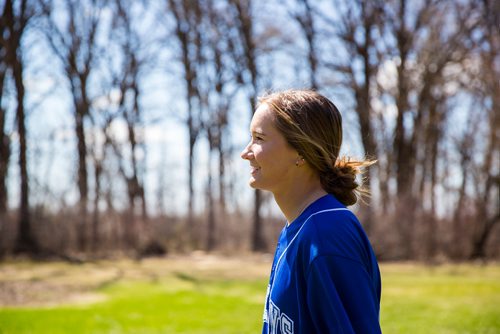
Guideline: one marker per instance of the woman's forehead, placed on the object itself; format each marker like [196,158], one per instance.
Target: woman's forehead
[262,118]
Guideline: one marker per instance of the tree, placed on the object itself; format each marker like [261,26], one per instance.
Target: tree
[429,50]
[486,177]
[187,15]
[357,30]
[74,44]
[16,20]
[220,85]
[4,136]
[129,108]
[305,19]
[247,60]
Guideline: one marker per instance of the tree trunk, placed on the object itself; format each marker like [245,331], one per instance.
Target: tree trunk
[222,174]
[258,241]
[25,240]
[4,138]
[211,225]
[363,110]
[479,244]
[404,157]
[97,198]
[4,153]
[82,176]
[490,190]
[190,218]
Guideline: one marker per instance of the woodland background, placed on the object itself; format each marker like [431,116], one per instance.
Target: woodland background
[121,121]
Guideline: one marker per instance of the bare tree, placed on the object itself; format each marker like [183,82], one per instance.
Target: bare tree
[464,147]
[405,138]
[74,44]
[421,107]
[305,18]
[357,30]
[98,171]
[129,108]
[487,177]
[4,136]
[187,15]
[244,21]
[16,20]
[220,83]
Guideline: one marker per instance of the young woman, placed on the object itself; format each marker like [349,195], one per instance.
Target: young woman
[325,277]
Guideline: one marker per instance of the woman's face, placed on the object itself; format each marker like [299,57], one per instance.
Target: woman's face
[271,158]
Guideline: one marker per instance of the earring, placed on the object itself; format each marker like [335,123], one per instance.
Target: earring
[298,161]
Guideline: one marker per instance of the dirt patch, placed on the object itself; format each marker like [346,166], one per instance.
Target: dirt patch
[43,294]
[30,284]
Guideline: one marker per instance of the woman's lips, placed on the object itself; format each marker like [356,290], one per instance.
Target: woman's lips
[254,170]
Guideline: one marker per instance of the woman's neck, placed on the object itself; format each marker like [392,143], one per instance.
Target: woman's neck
[293,203]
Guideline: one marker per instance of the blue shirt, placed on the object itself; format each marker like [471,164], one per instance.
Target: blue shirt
[325,277]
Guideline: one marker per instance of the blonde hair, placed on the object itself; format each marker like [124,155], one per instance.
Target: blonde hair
[312,125]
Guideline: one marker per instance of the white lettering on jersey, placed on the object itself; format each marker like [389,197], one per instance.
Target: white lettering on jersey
[286,324]
[278,321]
[274,318]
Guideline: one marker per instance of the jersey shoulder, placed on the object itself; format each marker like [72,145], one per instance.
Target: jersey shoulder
[334,233]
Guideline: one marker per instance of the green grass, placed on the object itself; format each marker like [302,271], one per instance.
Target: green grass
[445,299]
[225,296]
[144,308]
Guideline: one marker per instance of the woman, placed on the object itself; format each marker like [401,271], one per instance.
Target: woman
[325,277]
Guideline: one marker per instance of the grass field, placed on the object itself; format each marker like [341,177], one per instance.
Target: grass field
[206,294]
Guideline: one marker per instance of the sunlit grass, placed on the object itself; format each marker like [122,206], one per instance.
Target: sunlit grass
[142,308]
[218,295]
[443,299]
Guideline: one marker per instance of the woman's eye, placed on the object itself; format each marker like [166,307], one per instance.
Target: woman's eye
[255,138]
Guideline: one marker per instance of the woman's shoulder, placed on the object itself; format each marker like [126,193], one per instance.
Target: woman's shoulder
[332,222]
[333,233]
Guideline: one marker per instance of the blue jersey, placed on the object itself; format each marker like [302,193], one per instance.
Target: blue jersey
[325,277]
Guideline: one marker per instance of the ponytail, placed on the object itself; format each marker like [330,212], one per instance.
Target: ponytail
[340,180]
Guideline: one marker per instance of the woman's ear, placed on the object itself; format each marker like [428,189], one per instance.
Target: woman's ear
[300,161]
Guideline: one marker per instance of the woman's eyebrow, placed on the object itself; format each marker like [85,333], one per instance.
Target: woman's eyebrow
[258,133]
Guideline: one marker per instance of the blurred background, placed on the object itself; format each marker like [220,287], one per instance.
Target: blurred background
[121,122]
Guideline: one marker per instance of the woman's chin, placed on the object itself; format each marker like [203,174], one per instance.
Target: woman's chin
[254,183]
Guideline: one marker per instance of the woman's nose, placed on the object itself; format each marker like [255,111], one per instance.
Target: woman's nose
[245,154]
